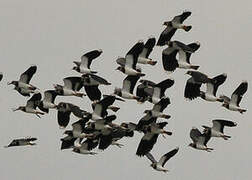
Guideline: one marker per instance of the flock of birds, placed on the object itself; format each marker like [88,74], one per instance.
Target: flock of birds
[98,128]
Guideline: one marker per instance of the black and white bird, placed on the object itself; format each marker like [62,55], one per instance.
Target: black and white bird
[22,142]
[91,83]
[170,62]
[82,148]
[128,86]
[31,105]
[141,93]
[159,165]
[200,140]
[48,101]
[100,108]
[172,26]
[71,87]
[83,67]
[211,88]
[68,141]
[157,92]
[217,130]
[131,59]
[151,133]
[157,110]
[143,57]
[233,104]
[64,112]
[193,84]
[22,85]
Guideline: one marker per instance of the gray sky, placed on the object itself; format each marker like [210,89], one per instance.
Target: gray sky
[51,34]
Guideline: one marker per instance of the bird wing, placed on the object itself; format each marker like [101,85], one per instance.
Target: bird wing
[74,83]
[167,156]
[192,89]
[50,95]
[129,83]
[121,61]
[162,104]
[238,93]
[63,118]
[132,56]
[27,75]
[184,47]
[146,144]
[218,124]
[163,85]
[219,80]
[195,134]
[180,18]
[93,92]
[148,47]
[166,35]
[33,102]
[99,79]
[170,63]
[186,55]
[150,157]
[87,58]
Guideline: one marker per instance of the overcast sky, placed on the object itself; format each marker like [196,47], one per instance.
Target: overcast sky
[51,34]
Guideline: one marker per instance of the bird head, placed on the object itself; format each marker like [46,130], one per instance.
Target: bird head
[21,108]
[120,68]
[13,82]
[167,23]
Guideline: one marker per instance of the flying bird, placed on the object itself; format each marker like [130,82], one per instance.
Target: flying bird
[22,85]
[71,87]
[172,26]
[143,57]
[48,101]
[200,140]
[210,94]
[170,62]
[31,105]
[217,130]
[22,142]
[159,165]
[83,67]
[131,59]
[193,84]
[233,103]
[128,86]
[151,133]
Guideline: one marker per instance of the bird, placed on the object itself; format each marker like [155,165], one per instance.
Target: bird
[22,142]
[31,105]
[159,165]
[68,141]
[200,140]
[82,148]
[170,62]
[48,101]
[140,92]
[233,103]
[100,107]
[151,133]
[211,88]
[157,110]
[1,76]
[22,85]
[172,26]
[64,112]
[83,67]
[217,130]
[91,83]
[71,87]
[143,57]
[157,92]
[131,59]
[193,84]
[128,86]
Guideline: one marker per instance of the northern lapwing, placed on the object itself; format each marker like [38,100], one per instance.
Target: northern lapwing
[22,142]
[143,57]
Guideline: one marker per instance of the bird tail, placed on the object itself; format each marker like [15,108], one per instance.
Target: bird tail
[226,137]
[166,116]
[114,108]
[79,94]
[194,67]
[187,28]
[152,62]
[141,74]
[93,72]
[168,133]
[209,149]
[242,110]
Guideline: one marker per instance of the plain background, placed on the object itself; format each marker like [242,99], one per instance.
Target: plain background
[51,34]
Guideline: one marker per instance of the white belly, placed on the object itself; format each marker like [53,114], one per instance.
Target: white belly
[184,65]
[68,92]
[210,97]
[142,60]
[127,95]
[130,71]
